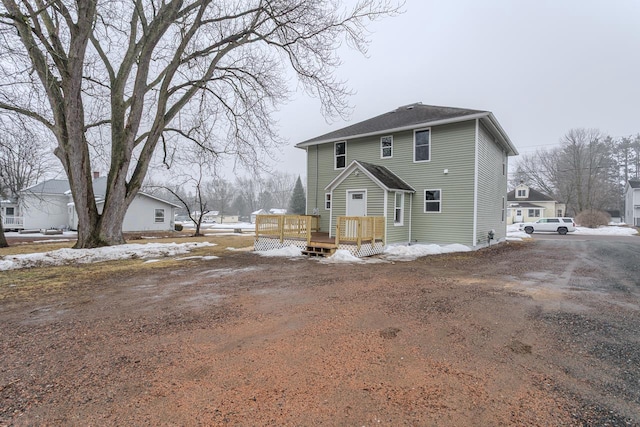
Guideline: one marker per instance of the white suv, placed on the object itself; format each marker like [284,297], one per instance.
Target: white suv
[556,225]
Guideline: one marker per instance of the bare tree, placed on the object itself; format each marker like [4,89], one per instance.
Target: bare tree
[280,187]
[138,70]
[24,160]
[220,194]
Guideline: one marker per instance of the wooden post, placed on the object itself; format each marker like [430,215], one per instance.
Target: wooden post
[281,227]
[359,239]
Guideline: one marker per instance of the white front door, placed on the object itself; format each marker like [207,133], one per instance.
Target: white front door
[518,215]
[356,203]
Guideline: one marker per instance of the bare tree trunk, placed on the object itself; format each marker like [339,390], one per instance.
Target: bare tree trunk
[3,238]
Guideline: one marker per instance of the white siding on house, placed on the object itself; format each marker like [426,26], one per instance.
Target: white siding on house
[141,215]
[44,211]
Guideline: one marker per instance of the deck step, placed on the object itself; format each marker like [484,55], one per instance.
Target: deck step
[319,250]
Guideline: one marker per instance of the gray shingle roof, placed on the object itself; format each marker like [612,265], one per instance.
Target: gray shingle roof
[534,196]
[386,177]
[401,117]
[50,186]
[634,183]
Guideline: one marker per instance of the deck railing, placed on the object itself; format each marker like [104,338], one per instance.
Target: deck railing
[286,226]
[356,229]
[12,222]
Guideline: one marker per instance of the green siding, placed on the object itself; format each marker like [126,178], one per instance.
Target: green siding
[492,187]
[452,148]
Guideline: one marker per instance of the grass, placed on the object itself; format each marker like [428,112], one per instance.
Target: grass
[28,282]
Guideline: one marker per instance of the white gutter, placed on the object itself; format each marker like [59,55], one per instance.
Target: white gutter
[398,129]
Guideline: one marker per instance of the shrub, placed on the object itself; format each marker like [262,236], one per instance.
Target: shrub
[593,218]
[178,227]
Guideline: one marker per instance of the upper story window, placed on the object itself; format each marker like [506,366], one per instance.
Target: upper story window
[432,201]
[340,154]
[522,193]
[386,147]
[422,145]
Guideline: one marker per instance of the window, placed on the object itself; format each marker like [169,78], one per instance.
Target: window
[398,218]
[159,215]
[386,147]
[522,193]
[422,145]
[327,201]
[504,165]
[559,213]
[9,211]
[504,207]
[432,200]
[518,212]
[553,220]
[341,154]
[534,213]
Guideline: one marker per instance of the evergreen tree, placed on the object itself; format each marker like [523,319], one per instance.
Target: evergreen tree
[298,202]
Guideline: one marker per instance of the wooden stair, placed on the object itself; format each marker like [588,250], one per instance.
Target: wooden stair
[317,249]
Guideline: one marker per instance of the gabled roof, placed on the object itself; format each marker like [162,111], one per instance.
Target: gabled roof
[410,117]
[534,196]
[634,183]
[382,176]
[50,186]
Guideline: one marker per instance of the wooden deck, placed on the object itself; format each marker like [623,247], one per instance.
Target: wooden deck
[361,236]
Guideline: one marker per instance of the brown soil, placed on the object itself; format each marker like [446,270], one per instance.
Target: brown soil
[244,340]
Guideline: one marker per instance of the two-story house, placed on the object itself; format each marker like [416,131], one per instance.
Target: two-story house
[632,202]
[436,175]
[527,204]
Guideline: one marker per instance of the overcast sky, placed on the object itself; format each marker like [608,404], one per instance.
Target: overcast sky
[542,67]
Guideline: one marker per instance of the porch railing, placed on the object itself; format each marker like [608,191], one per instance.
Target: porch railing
[286,226]
[356,229]
[12,222]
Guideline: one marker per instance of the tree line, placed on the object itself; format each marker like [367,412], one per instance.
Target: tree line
[588,171]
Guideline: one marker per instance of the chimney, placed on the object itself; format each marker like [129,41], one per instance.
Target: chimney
[96,174]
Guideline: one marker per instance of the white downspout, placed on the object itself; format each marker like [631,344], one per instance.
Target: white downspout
[475,187]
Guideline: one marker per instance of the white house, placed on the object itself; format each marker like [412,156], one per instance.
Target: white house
[632,202]
[49,204]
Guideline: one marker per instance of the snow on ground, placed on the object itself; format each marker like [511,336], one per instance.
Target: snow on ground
[411,252]
[216,226]
[289,252]
[339,256]
[606,231]
[108,253]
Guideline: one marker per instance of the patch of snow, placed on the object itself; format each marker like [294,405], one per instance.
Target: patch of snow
[151,261]
[206,258]
[289,251]
[108,253]
[412,252]
[606,231]
[341,255]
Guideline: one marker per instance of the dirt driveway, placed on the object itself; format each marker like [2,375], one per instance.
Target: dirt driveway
[519,334]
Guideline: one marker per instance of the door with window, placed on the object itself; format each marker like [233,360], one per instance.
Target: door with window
[518,215]
[356,203]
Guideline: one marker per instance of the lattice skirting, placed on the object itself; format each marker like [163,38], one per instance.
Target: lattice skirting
[268,243]
[366,249]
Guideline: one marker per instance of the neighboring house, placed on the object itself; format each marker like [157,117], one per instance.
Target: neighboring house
[632,202]
[256,213]
[10,213]
[49,204]
[436,175]
[277,211]
[528,205]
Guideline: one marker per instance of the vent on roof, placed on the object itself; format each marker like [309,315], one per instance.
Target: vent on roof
[409,106]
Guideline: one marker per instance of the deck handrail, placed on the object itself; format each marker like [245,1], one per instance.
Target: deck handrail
[286,226]
[12,221]
[359,228]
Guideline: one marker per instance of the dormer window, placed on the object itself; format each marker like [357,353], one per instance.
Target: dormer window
[522,193]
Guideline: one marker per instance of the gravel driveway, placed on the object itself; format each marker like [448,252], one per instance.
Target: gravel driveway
[538,333]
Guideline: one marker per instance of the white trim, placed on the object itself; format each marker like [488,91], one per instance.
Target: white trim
[335,156]
[352,167]
[346,200]
[475,185]
[410,216]
[382,156]
[424,201]
[331,232]
[474,116]
[414,145]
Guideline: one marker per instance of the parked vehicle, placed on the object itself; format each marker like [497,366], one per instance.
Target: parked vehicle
[555,225]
